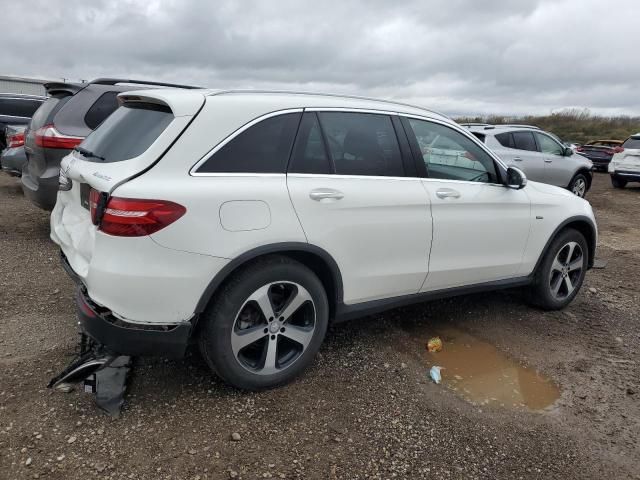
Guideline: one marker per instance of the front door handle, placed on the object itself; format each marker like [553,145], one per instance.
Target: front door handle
[325,193]
[447,193]
[547,160]
[517,159]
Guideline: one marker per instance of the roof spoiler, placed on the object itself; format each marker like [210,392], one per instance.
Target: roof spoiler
[54,88]
[114,81]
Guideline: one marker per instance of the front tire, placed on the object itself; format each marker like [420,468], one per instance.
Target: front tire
[561,272]
[618,182]
[266,324]
[579,185]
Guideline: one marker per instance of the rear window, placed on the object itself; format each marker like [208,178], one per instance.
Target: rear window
[104,106]
[41,116]
[127,133]
[632,142]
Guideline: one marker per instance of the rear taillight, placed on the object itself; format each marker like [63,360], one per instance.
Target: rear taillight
[15,140]
[94,198]
[49,137]
[132,217]
[618,150]
[580,149]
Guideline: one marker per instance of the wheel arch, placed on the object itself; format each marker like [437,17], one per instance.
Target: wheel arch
[586,172]
[313,257]
[581,223]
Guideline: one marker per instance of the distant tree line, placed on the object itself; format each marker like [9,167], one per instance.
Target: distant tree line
[572,125]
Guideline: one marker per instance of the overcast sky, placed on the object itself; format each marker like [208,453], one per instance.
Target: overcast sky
[456,56]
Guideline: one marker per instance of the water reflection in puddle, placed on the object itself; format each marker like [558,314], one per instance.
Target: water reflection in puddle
[480,373]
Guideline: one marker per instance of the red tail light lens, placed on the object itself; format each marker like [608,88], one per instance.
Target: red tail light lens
[15,140]
[94,196]
[132,217]
[580,149]
[618,150]
[49,137]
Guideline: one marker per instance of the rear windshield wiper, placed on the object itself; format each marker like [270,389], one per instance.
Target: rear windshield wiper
[88,153]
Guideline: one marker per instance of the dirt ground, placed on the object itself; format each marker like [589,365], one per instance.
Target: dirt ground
[366,409]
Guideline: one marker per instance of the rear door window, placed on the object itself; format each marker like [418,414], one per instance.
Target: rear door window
[524,141]
[104,106]
[506,140]
[127,133]
[633,143]
[309,153]
[362,144]
[262,148]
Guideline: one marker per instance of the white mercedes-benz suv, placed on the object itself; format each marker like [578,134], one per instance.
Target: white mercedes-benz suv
[248,221]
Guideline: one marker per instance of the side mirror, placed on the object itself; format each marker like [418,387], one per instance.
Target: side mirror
[568,151]
[516,178]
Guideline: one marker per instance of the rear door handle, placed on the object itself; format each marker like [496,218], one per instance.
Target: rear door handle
[325,193]
[447,193]
[546,160]
[517,159]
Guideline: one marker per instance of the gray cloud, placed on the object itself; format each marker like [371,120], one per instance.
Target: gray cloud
[458,56]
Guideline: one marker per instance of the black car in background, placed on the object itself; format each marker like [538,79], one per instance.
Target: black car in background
[600,152]
[72,112]
[16,109]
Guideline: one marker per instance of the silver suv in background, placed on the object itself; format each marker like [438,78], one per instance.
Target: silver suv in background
[541,155]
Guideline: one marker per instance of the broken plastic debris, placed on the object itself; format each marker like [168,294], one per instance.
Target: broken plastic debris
[434,344]
[435,374]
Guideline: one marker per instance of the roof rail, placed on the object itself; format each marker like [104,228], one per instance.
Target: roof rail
[515,125]
[114,81]
[475,124]
[336,95]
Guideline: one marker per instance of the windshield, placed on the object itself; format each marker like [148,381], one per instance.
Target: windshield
[126,133]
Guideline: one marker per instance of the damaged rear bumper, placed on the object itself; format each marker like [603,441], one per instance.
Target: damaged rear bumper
[126,338]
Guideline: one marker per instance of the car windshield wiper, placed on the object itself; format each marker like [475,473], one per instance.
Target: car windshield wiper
[88,153]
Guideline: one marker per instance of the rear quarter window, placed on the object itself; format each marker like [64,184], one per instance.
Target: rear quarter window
[127,133]
[104,106]
[262,148]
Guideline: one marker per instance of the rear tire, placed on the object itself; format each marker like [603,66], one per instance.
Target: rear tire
[266,324]
[561,272]
[579,185]
[618,182]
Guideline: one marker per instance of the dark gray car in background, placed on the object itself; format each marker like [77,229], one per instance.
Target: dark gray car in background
[71,113]
[13,157]
[16,109]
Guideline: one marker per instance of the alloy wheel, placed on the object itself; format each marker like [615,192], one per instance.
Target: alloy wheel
[566,270]
[273,327]
[579,187]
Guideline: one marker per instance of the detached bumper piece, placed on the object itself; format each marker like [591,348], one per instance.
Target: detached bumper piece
[124,338]
[102,373]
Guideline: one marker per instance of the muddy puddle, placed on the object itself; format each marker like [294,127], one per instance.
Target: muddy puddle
[483,375]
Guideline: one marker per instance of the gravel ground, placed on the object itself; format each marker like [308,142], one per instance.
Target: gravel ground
[364,410]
